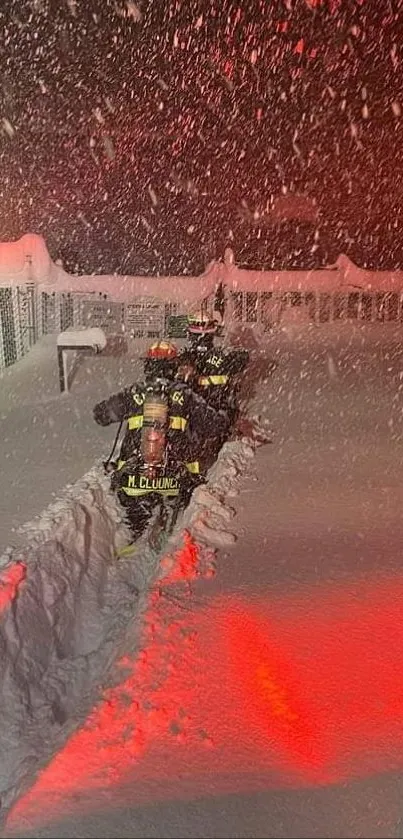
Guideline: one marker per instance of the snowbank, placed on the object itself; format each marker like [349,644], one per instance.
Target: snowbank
[28,260]
[208,516]
[342,275]
[66,603]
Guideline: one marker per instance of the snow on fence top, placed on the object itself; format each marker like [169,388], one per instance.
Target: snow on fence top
[27,261]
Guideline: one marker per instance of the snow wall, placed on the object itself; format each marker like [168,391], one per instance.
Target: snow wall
[27,260]
[66,604]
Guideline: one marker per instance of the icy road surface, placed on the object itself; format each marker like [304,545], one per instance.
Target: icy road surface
[268,698]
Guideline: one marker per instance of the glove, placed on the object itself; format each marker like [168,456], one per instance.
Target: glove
[100,414]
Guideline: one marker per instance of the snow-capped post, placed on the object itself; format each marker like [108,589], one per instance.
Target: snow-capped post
[81,340]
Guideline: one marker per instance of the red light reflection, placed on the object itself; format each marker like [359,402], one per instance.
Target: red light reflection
[303,690]
[10,579]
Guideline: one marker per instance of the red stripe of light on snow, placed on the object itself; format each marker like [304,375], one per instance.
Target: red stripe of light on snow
[303,690]
[10,579]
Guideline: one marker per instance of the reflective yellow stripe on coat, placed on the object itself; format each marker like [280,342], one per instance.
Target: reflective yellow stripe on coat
[177,423]
[134,492]
[206,381]
[135,422]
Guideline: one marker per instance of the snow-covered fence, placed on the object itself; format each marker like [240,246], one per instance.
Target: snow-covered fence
[27,313]
[38,297]
[14,335]
[268,308]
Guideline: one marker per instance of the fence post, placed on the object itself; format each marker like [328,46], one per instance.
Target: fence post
[62,365]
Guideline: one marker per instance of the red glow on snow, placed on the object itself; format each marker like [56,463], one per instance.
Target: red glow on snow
[184,565]
[323,678]
[277,691]
[10,579]
[270,690]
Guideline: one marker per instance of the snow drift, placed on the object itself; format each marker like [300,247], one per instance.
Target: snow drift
[66,604]
[28,260]
[58,623]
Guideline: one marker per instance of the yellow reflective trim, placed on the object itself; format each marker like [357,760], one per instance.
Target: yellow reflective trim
[127,550]
[121,464]
[135,422]
[205,381]
[133,492]
[177,423]
[193,467]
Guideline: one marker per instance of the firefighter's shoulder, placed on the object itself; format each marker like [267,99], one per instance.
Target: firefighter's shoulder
[137,392]
[178,392]
[138,387]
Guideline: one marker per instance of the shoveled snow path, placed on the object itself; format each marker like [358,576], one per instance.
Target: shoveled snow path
[76,598]
[256,680]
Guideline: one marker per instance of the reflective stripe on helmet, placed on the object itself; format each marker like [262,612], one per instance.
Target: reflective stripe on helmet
[201,323]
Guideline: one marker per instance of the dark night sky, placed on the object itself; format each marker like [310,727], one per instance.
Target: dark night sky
[143,138]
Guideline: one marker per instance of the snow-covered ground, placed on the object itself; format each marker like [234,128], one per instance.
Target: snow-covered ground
[48,440]
[65,602]
[267,697]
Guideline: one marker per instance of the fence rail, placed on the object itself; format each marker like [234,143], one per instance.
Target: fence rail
[26,315]
[268,307]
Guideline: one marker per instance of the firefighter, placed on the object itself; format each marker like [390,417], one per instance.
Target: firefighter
[188,418]
[217,367]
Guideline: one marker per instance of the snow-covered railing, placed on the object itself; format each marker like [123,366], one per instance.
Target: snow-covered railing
[38,297]
[268,308]
[79,341]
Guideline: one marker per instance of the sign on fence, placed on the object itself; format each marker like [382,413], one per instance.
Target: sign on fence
[104,314]
[145,319]
[177,326]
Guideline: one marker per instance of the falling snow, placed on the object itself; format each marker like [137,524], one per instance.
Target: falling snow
[240,100]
